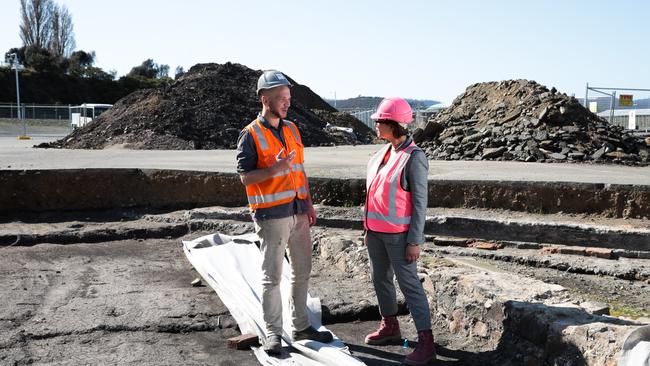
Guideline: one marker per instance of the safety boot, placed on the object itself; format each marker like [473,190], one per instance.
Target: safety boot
[312,334]
[273,344]
[388,332]
[425,350]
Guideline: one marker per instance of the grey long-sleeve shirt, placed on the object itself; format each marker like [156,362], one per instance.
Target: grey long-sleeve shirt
[416,180]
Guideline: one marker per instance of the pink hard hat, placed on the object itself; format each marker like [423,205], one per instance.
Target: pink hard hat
[394,109]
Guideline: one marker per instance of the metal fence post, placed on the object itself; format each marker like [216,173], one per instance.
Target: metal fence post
[612,105]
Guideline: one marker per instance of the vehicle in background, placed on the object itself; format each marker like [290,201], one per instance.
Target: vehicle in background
[82,114]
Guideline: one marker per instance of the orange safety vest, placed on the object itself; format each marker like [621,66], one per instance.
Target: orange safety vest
[284,186]
[388,205]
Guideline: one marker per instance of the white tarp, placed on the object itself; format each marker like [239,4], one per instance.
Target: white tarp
[232,266]
[636,348]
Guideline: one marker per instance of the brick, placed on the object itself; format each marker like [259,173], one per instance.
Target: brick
[572,250]
[243,341]
[600,253]
[550,250]
[485,245]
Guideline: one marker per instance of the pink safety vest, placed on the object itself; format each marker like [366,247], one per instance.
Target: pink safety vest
[388,205]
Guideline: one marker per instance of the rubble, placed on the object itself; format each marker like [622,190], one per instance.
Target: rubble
[344,127]
[205,109]
[524,121]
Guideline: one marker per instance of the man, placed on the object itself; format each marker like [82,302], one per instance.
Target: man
[270,163]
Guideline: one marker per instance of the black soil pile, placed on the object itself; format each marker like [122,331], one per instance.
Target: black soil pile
[205,109]
[523,120]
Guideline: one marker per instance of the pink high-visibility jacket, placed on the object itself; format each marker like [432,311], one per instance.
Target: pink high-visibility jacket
[388,205]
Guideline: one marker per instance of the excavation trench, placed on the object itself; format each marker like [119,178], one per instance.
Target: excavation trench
[109,189]
[499,306]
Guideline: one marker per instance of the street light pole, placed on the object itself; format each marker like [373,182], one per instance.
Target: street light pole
[20,115]
[15,62]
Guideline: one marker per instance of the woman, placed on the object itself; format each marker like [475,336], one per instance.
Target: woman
[395,208]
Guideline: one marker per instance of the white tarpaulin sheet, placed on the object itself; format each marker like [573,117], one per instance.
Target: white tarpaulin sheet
[232,266]
[636,348]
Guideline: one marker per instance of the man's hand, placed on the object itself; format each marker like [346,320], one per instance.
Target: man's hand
[311,215]
[283,163]
[260,175]
[412,253]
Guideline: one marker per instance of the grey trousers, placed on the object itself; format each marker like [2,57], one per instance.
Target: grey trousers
[277,235]
[387,253]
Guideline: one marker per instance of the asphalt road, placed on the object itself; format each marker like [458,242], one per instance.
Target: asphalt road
[340,161]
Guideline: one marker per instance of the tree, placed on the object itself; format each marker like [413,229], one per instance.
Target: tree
[80,59]
[149,70]
[63,42]
[40,59]
[36,22]
[179,72]
[46,25]
[80,63]
[163,71]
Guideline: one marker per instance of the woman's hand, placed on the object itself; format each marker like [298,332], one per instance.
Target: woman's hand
[412,253]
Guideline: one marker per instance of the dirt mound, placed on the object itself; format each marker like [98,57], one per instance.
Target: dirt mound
[338,122]
[523,120]
[204,109]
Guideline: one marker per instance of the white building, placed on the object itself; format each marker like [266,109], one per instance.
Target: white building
[423,115]
[631,119]
[80,115]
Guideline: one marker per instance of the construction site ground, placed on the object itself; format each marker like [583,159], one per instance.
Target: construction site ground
[131,300]
[114,287]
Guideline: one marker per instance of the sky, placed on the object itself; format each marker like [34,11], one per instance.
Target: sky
[414,49]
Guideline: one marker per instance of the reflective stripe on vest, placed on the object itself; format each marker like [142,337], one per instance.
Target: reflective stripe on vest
[294,168]
[271,197]
[275,196]
[382,213]
[294,131]
[392,219]
[260,136]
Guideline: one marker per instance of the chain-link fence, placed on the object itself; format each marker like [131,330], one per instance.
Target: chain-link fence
[625,107]
[35,111]
[361,115]
[420,117]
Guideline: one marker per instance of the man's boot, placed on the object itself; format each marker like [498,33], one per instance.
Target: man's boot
[388,332]
[424,352]
[273,344]
[312,334]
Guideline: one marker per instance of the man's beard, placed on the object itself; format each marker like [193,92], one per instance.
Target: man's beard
[276,112]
